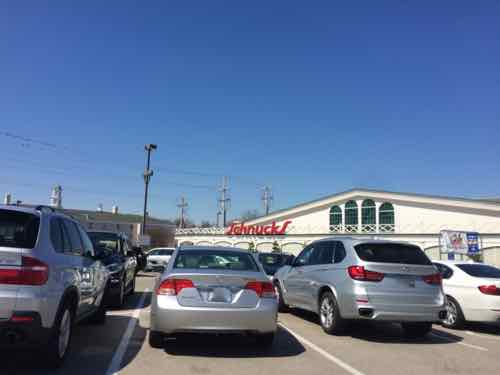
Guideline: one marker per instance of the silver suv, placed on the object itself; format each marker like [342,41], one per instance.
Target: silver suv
[343,279]
[49,280]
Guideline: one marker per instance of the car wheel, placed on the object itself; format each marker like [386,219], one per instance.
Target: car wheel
[282,306]
[454,317]
[119,299]
[329,314]
[156,340]
[265,340]
[99,316]
[132,288]
[416,330]
[59,342]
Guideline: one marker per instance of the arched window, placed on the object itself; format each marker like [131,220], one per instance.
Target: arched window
[351,216]
[335,219]
[386,217]
[368,212]
[335,215]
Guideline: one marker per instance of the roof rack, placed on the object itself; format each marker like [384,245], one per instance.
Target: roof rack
[42,207]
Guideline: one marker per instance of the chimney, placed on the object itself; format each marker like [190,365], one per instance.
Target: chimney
[8,198]
[114,210]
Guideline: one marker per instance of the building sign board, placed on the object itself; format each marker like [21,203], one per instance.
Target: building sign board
[240,229]
[455,242]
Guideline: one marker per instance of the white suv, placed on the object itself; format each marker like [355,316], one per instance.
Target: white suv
[49,280]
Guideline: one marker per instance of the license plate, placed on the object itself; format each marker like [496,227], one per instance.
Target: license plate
[220,295]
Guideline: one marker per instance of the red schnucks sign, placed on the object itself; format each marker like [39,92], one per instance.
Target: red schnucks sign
[238,229]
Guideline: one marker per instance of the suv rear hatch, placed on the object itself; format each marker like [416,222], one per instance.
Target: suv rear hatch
[18,231]
[398,274]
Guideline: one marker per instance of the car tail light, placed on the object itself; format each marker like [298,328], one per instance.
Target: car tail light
[491,290]
[172,287]
[361,274]
[262,289]
[435,279]
[31,272]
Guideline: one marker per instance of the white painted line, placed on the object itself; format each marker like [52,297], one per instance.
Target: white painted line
[480,348]
[114,366]
[481,335]
[324,353]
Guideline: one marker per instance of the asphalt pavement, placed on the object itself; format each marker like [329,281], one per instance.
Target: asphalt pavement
[301,347]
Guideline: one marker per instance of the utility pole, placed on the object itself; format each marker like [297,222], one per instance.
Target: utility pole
[182,205]
[148,173]
[224,200]
[267,198]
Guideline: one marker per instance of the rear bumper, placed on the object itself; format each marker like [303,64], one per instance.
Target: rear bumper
[167,316]
[483,315]
[402,313]
[24,334]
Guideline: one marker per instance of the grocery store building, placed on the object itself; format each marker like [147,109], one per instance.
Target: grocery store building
[363,213]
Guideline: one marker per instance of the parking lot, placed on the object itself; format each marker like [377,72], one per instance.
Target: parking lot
[300,347]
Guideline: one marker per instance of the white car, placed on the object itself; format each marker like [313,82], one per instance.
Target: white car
[472,291]
[157,259]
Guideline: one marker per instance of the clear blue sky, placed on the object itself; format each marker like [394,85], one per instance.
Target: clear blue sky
[310,98]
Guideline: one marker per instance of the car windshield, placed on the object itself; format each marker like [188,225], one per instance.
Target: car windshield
[391,253]
[102,240]
[214,259]
[18,229]
[480,270]
[161,252]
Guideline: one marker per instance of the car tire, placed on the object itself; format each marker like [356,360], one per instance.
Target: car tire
[416,330]
[265,340]
[99,316]
[329,314]
[118,300]
[132,288]
[455,317]
[60,339]
[282,306]
[156,340]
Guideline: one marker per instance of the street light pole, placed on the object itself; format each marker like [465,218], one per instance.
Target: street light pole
[148,173]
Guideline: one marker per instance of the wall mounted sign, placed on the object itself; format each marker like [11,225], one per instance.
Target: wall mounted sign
[240,229]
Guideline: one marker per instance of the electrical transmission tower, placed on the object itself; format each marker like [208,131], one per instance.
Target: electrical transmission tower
[267,198]
[182,206]
[224,200]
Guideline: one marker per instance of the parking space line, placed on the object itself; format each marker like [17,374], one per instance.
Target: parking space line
[481,335]
[480,348]
[324,353]
[114,366]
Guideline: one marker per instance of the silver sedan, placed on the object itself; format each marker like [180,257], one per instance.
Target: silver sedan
[213,289]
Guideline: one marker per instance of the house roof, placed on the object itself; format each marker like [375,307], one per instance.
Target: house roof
[390,196]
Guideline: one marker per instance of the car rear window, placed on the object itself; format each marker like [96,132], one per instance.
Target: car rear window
[391,253]
[213,260]
[18,229]
[480,270]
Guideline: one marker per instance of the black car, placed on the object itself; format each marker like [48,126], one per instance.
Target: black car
[272,262]
[115,252]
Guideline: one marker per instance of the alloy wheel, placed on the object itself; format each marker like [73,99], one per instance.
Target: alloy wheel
[452,313]
[326,312]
